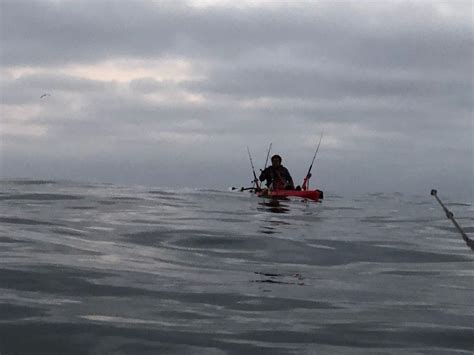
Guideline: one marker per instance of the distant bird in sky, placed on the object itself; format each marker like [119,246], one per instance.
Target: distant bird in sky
[44,95]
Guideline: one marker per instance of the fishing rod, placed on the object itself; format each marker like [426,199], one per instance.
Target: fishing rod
[233,188]
[308,175]
[253,169]
[268,154]
[450,215]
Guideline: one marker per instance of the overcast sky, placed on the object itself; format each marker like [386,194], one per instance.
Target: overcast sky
[171,93]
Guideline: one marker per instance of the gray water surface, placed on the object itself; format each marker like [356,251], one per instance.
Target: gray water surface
[102,269]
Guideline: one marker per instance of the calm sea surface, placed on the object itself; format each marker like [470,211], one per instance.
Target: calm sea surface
[105,269]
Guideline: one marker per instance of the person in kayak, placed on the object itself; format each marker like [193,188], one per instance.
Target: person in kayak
[277,176]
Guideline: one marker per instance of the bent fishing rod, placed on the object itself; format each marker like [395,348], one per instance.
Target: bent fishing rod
[253,170]
[450,216]
[308,175]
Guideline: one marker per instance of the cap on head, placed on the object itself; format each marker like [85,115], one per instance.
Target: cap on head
[276,156]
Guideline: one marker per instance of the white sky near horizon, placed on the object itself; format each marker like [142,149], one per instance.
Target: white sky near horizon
[165,93]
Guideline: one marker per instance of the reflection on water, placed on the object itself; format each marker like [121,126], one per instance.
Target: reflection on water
[267,277]
[271,225]
[273,206]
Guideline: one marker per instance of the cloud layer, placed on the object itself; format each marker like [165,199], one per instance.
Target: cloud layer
[170,93]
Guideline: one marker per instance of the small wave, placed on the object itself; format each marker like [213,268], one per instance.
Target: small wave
[126,199]
[24,221]
[14,312]
[382,219]
[411,273]
[161,192]
[458,204]
[30,182]
[211,190]
[40,197]
[454,230]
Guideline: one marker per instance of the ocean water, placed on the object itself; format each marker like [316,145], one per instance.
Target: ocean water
[106,269]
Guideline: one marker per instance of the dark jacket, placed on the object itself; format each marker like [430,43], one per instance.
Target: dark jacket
[277,178]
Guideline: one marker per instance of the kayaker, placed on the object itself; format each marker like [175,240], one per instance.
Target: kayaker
[277,176]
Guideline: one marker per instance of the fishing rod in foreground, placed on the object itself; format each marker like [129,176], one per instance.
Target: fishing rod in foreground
[308,175]
[450,215]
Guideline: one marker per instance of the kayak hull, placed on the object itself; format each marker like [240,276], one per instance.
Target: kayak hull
[314,195]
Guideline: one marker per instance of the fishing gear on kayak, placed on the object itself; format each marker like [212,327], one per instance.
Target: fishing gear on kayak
[253,171]
[268,154]
[450,216]
[308,174]
[315,195]
[255,180]
[243,188]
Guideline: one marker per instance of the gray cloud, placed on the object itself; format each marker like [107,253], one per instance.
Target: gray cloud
[44,32]
[149,85]
[314,83]
[391,83]
[28,88]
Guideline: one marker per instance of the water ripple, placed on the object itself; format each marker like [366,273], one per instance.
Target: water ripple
[95,268]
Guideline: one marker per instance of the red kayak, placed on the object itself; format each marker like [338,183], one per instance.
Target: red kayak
[315,195]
